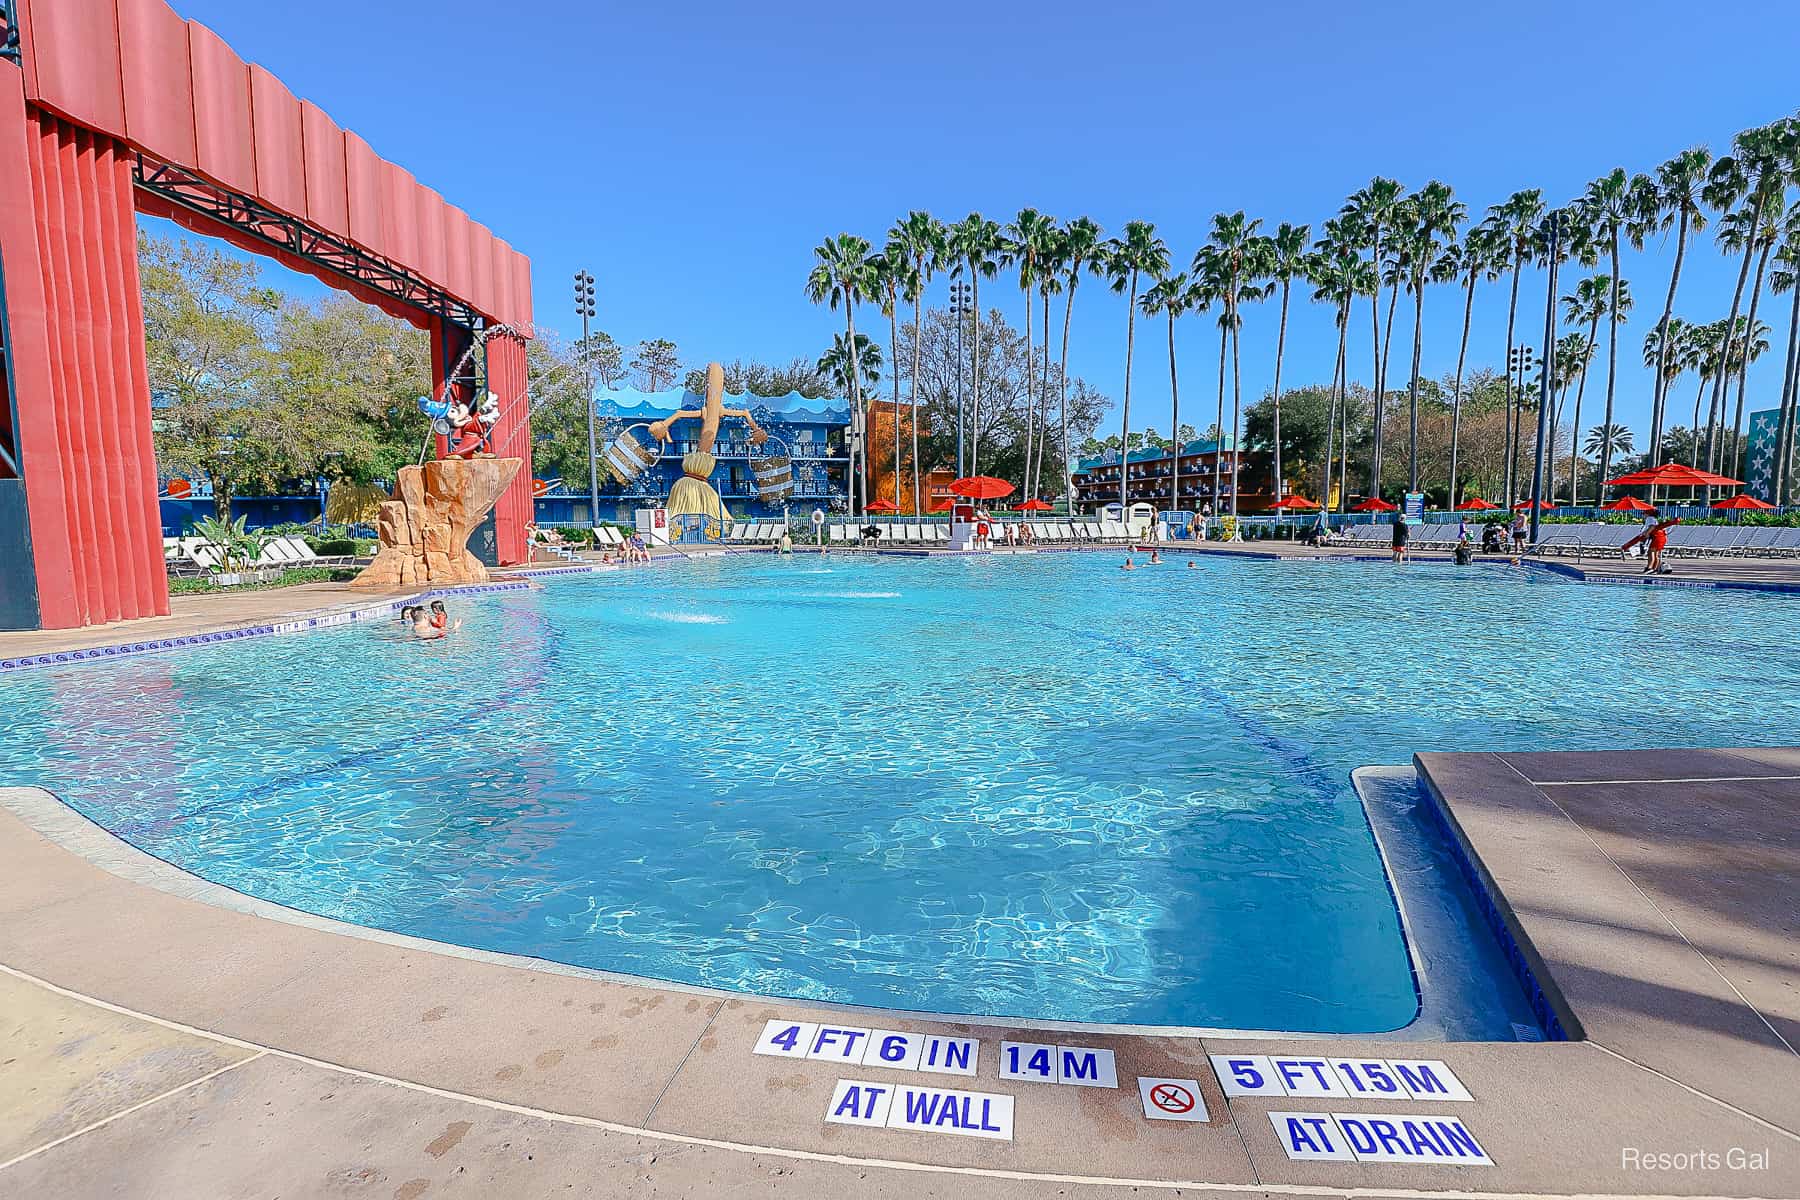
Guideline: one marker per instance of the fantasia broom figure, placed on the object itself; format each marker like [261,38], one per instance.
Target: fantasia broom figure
[693,493]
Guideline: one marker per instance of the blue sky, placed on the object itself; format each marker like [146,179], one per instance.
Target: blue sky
[691,155]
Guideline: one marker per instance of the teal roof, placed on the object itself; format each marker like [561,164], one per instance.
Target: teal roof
[1152,453]
[634,405]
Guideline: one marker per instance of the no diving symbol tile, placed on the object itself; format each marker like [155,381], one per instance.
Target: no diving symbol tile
[1172,1099]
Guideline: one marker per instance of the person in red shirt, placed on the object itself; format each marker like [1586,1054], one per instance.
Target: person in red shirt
[1657,536]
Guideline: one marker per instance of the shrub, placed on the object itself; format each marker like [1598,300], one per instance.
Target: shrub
[333,547]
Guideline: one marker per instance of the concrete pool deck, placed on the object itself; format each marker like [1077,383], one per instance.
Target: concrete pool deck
[160,1036]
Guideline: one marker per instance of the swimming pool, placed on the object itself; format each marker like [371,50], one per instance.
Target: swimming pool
[1035,786]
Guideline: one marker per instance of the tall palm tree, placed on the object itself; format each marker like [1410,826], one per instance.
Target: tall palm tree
[1239,256]
[918,238]
[1049,281]
[1171,295]
[1767,234]
[1081,249]
[1287,258]
[1516,221]
[1589,303]
[1785,279]
[1610,205]
[1208,291]
[896,279]
[1028,237]
[1436,215]
[1477,259]
[975,245]
[1738,187]
[1339,274]
[1675,199]
[1371,211]
[842,274]
[1139,252]
[1748,343]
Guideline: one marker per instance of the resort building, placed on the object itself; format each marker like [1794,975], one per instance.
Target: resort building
[813,433]
[1152,478]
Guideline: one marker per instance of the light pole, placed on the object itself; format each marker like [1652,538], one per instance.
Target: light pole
[961,305]
[1553,230]
[584,308]
[1518,361]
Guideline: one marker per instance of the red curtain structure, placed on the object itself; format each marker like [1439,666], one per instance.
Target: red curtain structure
[104,89]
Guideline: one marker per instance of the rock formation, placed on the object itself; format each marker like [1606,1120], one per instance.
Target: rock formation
[424,530]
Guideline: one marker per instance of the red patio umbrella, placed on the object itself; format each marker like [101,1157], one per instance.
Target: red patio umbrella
[1036,505]
[1475,504]
[982,487]
[883,506]
[1744,501]
[1525,506]
[1673,475]
[941,506]
[1294,502]
[1629,504]
[1375,504]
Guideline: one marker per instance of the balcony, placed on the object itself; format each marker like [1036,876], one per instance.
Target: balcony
[727,450]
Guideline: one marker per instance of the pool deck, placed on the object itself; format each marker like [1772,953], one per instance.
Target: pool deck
[160,1036]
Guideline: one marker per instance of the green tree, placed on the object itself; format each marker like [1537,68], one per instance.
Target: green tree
[1025,243]
[1475,259]
[835,364]
[1610,207]
[657,362]
[1515,223]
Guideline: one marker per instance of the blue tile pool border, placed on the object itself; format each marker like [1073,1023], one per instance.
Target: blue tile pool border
[1547,1003]
[383,608]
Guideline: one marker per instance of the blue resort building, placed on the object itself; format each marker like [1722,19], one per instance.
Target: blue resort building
[812,433]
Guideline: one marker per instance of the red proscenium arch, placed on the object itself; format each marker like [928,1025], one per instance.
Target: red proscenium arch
[104,87]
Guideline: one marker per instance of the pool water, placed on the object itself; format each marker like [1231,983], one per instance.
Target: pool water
[1033,786]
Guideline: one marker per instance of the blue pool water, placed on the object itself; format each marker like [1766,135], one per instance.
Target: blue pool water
[1037,786]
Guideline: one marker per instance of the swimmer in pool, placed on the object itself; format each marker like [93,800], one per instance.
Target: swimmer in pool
[1129,565]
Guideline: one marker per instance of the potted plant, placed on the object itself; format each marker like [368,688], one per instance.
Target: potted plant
[238,548]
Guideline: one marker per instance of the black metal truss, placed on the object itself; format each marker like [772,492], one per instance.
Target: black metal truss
[282,232]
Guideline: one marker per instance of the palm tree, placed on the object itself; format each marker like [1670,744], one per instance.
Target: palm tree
[842,274]
[1749,341]
[1516,221]
[975,243]
[919,239]
[1785,278]
[1739,187]
[835,363]
[1206,292]
[1369,212]
[1574,354]
[1610,205]
[1704,353]
[1675,199]
[1080,249]
[1139,252]
[1767,233]
[1591,300]
[1028,236]
[1339,274]
[896,278]
[1287,258]
[1049,280]
[1240,257]
[1478,258]
[1604,439]
[1436,214]
[1171,295]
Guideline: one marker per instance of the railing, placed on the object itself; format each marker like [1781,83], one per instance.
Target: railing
[9,31]
[805,451]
